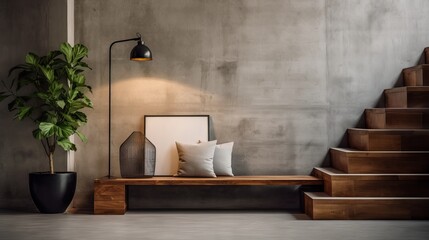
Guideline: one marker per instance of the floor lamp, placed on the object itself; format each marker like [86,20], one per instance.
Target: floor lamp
[139,53]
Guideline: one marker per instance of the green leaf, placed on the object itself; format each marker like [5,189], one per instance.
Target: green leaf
[70,120]
[37,134]
[58,64]
[19,67]
[82,137]
[55,89]
[84,88]
[87,101]
[31,59]
[79,104]
[66,144]
[64,131]
[83,64]
[70,72]
[79,51]
[23,112]
[73,94]
[52,55]
[67,50]
[81,117]
[47,129]
[43,96]
[79,79]
[48,73]
[61,104]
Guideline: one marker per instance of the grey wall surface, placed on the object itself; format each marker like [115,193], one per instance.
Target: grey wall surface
[283,79]
[36,26]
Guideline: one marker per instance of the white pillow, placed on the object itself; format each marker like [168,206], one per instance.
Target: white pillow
[222,160]
[196,160]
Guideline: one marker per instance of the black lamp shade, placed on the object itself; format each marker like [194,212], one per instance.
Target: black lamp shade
[141,53]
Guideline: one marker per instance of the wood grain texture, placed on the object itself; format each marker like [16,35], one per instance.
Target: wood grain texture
[397,118]
[340,184]
[109,193]
[353,161]
[320,206]
[407,97]
[388,139]
[109,199]
[237,180]
[416,76]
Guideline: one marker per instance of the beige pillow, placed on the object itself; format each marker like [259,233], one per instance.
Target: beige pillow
[196,160]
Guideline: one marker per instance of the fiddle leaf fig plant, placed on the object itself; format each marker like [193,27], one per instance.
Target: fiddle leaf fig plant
[51,91]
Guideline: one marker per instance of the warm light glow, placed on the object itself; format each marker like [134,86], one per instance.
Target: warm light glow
[135,92]
[141,59]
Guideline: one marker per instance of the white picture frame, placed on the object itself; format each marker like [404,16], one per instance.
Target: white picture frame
[165,130]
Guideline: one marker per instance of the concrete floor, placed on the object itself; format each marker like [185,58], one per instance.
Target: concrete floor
[205,225]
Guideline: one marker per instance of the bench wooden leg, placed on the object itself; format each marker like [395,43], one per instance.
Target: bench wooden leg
[109,199]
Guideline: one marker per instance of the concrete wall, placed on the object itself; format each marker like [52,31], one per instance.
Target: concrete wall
[283,79]
[36,26]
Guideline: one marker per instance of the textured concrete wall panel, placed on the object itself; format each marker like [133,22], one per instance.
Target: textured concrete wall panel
[25,26]
[283,79]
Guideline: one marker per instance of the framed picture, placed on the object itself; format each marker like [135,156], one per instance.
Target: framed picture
[165,130]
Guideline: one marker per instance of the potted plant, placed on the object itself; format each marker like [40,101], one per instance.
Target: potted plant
[51,91]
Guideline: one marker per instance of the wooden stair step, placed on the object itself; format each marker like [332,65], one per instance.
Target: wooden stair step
[354,161]
[388,139]
[397,118]
[320,206]
[340,184]
[407,97]
[416,76]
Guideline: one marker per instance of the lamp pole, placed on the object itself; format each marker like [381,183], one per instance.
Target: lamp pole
[139,53]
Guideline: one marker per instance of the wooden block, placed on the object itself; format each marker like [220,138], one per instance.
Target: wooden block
[104,192]
[109,211]
[109,199]
[397,118]
[396,98]
[340,184]
[388,139]
[353,161]
[110,207]
[407,97]
[320,206]
[416,76]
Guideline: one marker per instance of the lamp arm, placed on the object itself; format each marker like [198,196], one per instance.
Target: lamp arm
[110,93]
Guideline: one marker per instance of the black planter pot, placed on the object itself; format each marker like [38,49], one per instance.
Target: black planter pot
[52,193]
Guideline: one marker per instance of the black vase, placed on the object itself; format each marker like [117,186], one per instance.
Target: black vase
[137,157]
[52,193]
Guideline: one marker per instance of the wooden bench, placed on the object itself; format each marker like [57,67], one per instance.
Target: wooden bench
[109,193]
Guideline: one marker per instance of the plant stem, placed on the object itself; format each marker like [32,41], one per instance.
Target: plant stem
[45,148]
[51,162]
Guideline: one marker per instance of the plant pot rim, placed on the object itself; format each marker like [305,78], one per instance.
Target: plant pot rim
[48,173]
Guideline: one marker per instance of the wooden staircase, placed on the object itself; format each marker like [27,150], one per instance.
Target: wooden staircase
[384,174]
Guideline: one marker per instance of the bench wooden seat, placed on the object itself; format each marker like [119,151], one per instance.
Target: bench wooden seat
[109,193]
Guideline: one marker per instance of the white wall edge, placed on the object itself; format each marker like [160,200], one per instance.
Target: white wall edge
[70,39]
